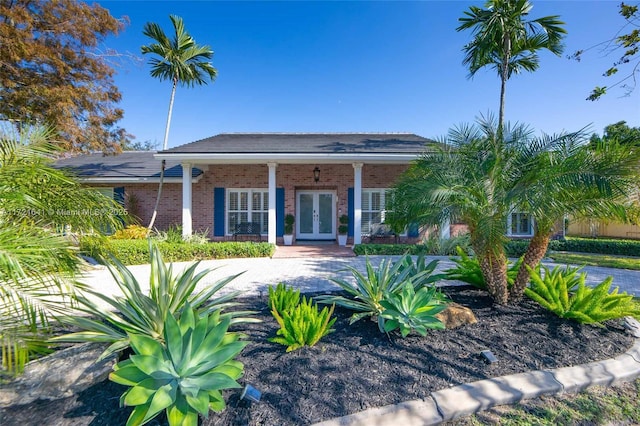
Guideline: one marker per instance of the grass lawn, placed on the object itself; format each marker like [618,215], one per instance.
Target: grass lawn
[599,405]
[621,262]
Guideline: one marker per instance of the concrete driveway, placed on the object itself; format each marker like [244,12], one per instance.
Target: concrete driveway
[309,274]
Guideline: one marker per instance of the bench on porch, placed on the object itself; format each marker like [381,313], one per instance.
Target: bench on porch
[382,233]
[247,229]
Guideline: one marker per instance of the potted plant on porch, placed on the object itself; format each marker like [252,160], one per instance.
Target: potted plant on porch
[289,220]
[343,229]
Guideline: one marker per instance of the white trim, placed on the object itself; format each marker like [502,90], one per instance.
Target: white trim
[272,204]
[117,180]
[187,224]
[357,203]
[288,158]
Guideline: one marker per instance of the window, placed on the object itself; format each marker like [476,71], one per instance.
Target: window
[247,205]
[373,208]
[520,225]
[107,192]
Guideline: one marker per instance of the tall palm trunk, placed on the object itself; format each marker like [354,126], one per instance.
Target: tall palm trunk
[503,80]
[494,272]
[164,147]
[534,254]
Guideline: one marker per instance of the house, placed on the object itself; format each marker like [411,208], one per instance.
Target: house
[215,183]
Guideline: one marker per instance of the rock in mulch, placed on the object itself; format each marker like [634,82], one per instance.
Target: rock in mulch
[61,374]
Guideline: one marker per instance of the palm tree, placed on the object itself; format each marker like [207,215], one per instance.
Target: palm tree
[37,263]
[470,179]
[506,41]
[578,179]
[181,61]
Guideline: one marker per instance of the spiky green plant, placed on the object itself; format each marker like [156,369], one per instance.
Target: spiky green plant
[304,325]
[283,299]
[370,289]
[183,375]
[565,294]
[138,313]
[409,310]
[468,270]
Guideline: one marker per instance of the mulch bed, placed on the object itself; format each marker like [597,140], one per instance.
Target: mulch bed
[357,367]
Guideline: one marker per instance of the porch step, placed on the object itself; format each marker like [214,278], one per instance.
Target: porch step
[313,250]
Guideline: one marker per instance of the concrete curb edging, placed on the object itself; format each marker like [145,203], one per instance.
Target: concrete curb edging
[470,398]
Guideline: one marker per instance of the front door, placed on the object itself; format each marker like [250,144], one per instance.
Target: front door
[316,211]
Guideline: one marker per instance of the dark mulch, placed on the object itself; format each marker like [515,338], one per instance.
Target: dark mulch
[357,367]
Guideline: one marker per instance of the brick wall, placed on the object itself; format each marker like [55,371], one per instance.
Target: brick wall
[291,177]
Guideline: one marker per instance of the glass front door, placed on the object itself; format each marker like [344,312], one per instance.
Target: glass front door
[316,215]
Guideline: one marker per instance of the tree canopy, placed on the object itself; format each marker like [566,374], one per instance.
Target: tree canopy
[620,132]
[505,39]
[626,42]
[53,73]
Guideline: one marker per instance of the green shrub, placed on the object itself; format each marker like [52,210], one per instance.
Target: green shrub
[136,252]
[137,313]
[173,234]
[303,325]
[409,310]
[434,245]
[283,299]
[517,248]
[597,245]
[388,249]
[370,290]
[468,270]
[184,375]
[131,232]
[565,293]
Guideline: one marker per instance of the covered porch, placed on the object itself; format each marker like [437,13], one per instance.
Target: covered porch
[317,178]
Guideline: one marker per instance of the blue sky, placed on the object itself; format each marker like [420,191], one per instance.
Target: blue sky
[358,66]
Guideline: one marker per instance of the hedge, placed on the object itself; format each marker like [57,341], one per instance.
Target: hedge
[136,252]
[516,248]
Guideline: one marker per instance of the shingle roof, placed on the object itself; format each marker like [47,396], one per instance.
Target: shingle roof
[307,143]
[129,164]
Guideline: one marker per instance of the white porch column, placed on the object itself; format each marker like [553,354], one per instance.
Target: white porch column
[445,229]
[357,203]
[272,203]
[186,200]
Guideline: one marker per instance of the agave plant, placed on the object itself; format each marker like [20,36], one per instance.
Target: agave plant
[409,310]
[137,313]
[370,289]
[184,375]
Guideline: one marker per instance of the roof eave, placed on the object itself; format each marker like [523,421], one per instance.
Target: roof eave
[287,158]
[109,180]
